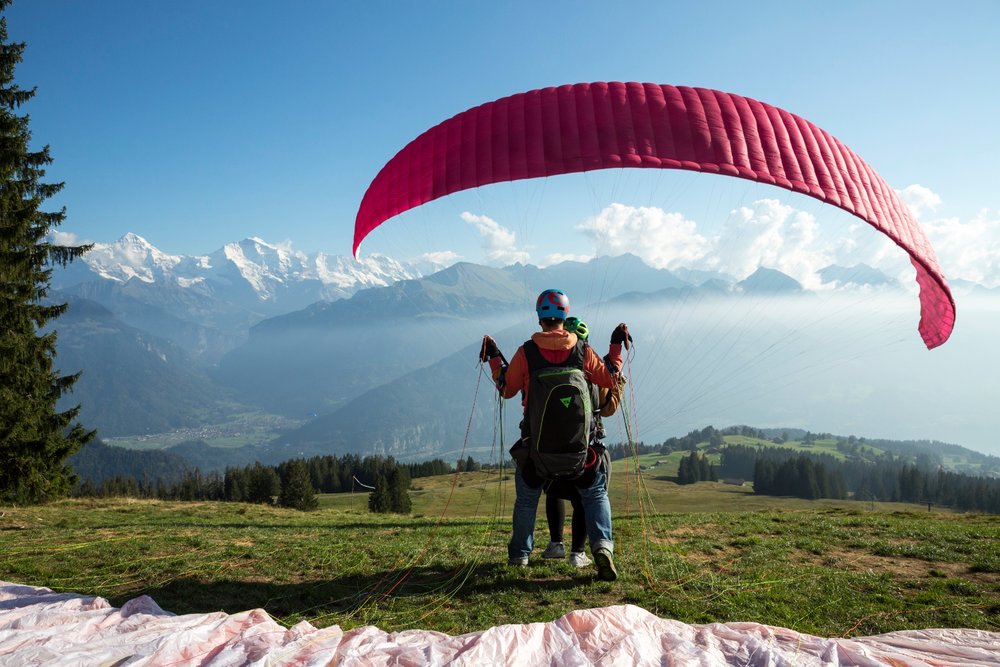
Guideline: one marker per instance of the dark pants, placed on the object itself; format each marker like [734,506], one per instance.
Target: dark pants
[555,512]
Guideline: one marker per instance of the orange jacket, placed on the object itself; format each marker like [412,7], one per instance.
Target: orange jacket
[555,347]
[610,404]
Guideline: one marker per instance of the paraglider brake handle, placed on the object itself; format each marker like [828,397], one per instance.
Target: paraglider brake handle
[486,354]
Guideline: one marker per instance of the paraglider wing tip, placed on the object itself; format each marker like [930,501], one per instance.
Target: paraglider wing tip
[937,304]
[362,226]
[937,335]
[359,236]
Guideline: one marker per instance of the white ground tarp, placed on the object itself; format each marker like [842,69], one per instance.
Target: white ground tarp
[40,627]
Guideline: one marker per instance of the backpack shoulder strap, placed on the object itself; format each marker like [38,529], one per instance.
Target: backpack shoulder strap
[578,355]
[534,358]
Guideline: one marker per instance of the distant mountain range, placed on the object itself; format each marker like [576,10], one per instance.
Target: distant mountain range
[251,272]
[207,303]
[373,355]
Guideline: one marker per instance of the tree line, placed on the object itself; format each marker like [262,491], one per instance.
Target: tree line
[882,477]
[695,468]
[870,472]
[293,483]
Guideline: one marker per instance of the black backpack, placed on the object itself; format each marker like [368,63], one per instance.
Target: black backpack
[559,414]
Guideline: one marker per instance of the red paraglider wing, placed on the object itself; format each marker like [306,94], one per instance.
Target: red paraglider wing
[589,126]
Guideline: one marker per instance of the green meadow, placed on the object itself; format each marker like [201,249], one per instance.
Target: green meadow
[709,552]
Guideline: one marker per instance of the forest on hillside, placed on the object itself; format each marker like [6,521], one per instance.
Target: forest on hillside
[847,468]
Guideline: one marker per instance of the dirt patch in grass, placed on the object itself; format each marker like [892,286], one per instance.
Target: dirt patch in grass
[683,533]
[899,566]
[701,546]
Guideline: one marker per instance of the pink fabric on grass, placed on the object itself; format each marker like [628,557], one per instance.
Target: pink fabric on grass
[41,627]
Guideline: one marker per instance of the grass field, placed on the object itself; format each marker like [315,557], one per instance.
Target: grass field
[701,553]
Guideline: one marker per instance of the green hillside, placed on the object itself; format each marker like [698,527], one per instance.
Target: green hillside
[926,453]
[699,553]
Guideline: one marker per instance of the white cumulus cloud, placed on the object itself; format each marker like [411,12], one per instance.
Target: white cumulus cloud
[662,239]
[968,250]
[500,243]
[773,235]
[431,262]
[766,233]
[558,257]
[919,199]
[67,238]
[440,257]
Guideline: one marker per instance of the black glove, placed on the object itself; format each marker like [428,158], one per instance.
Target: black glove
[621,336]
[489,350]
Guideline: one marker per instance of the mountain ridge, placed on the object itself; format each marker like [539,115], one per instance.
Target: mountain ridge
[319,359]
[265,269]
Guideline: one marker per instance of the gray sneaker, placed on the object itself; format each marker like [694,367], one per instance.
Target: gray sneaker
[605,565]
[554,550]
[579,559]
[518,562]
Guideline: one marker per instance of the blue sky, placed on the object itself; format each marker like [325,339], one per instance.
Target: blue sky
[195,124]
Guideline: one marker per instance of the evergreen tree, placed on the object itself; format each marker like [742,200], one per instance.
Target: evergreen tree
[263,484]
[85,489]
[694,468]
[35,438]
[763,477]
[235,485]
[379,500]
[684,473]
[399,499]
[705,470]
[803,479]
[296,488]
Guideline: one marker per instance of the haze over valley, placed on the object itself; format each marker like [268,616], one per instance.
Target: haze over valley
[265,352]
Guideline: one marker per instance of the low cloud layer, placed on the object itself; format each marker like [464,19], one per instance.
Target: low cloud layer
[429,262]
[768,233]
[968,250]
[775,235]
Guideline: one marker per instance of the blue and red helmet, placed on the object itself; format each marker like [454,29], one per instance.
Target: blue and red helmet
[552,304]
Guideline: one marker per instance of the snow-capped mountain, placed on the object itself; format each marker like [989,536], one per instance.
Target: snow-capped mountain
[129,257]
[271,269]
[253,269]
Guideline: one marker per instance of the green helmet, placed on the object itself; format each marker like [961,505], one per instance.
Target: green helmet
[577,326]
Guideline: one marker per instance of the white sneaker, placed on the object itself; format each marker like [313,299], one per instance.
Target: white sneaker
[579,559]
[518,562]
[554,550]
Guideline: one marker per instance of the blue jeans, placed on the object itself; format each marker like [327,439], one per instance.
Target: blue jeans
[596,510]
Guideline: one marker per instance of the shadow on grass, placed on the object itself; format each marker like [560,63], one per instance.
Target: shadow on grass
[342,596]
[415,524]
